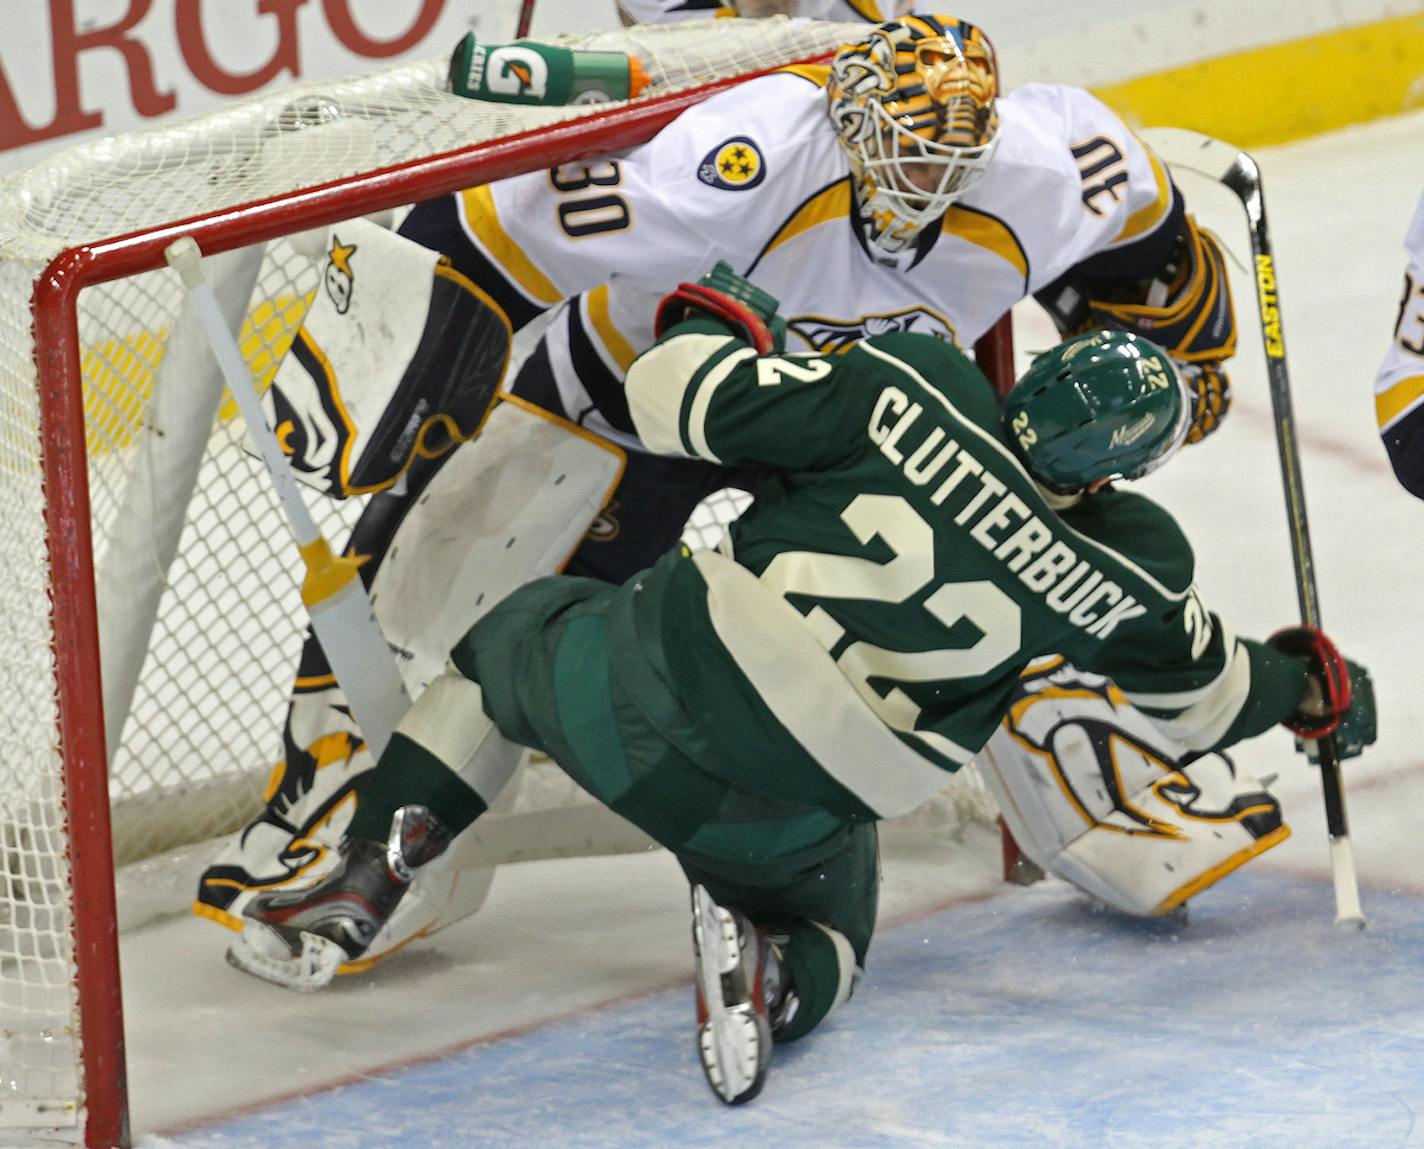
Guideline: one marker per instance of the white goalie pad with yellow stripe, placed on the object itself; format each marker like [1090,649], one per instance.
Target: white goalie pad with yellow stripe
[1095,794]
[399,357]
[505,509]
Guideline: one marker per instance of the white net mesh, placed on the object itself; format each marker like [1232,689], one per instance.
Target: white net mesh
[204,724]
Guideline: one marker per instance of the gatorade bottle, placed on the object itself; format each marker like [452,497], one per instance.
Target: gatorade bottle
[527,72]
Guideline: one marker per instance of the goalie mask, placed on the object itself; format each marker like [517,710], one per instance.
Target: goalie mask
[1107,405]
[913,106]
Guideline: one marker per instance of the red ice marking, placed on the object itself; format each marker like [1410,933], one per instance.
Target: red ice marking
[209,1120]
[1346,449]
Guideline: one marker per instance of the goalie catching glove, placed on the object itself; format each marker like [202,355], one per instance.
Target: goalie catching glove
[1339,696]
[1185,308]
[729,298]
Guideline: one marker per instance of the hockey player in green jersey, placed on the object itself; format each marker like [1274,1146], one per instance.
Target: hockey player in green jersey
[858,636]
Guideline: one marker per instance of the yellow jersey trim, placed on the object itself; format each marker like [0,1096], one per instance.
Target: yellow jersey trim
[984,230]
[832,203]
[478,210]
[868,10]
[612,339]
[1395,400]
[818,74]
[1146,219]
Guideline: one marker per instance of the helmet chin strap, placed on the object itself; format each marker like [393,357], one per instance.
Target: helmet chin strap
[1061,500]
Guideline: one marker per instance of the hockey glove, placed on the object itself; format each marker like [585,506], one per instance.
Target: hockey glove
[1211,397]
[1339,695]
[1185,308]
[729,298]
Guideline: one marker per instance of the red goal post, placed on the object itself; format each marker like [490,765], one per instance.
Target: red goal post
[89,317]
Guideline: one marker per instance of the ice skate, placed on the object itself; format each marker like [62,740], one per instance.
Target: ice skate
[299,938]
[735,964]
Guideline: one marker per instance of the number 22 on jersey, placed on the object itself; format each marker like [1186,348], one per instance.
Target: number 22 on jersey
[910,570]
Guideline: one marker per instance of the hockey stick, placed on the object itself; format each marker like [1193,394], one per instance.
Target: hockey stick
[340,611]
[1238,172]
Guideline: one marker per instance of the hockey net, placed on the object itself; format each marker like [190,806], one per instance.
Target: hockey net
[114,476]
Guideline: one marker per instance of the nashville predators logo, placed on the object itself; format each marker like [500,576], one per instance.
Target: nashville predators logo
[830,336]
[306,411]
[1099,753]
[340,279]
[733,166]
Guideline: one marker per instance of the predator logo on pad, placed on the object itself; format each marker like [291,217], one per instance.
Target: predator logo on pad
[1128,769]
[339,278]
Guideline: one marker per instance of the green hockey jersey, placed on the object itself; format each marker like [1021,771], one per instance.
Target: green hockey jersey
[863,624]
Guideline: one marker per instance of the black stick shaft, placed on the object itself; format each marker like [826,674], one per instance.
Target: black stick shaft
[1244,178]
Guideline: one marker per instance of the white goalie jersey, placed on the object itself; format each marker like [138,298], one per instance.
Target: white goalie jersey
[757,177]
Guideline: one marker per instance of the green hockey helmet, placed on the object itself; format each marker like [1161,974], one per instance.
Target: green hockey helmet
[1106,405]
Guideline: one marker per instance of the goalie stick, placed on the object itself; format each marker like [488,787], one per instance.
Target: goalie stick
[340,610]
[1237,171]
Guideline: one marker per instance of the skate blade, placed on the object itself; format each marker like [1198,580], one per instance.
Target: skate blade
[262,952]
[729,1041]
[729,1044]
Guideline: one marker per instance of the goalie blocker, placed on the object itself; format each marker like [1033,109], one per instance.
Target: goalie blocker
[390,366]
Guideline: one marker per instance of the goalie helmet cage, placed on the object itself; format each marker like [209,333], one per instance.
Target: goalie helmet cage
[200,626]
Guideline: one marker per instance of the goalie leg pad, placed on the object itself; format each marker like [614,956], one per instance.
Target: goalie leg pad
[503,510]
[1094,793]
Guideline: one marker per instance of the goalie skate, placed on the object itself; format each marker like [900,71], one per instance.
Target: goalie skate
[733,1030]
[298,939]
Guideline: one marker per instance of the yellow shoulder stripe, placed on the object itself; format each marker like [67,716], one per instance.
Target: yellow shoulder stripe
[613,339]
[983,230]
[1392,402]
[477,208]
[829,204]
[869,11]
